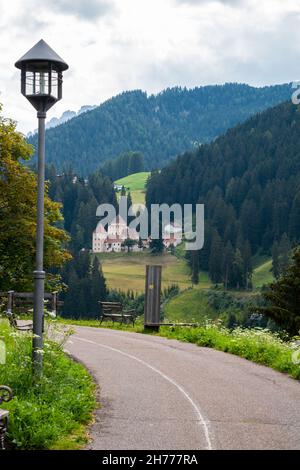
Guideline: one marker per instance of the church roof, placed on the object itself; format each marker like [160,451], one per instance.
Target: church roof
[100,228]
[118,220]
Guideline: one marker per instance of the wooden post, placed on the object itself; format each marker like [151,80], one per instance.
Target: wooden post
[152,298]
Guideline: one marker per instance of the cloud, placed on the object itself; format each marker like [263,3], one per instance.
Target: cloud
[148,45]
[89,10]
[32,23]
[202,2]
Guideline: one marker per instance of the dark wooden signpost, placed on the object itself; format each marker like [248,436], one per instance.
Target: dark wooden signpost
[152,298]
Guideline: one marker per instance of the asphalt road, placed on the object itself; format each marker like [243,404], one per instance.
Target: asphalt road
[163,394]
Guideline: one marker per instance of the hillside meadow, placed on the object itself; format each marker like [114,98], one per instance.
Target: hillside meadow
[135,183]
[262,274]
[126,271]
[190,306]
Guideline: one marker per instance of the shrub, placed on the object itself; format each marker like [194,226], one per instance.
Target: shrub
[51,409]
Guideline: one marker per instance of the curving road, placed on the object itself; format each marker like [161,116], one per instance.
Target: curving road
[163,394]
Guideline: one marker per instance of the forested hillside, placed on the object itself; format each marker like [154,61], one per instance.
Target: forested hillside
[249,181]
[127,163]
[80,198]
[160,127]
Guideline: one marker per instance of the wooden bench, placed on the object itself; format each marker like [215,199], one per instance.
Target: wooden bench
[6,395]
[114,311]
[19,303]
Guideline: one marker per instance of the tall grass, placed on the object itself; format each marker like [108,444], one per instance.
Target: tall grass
[49,412]
[256,344]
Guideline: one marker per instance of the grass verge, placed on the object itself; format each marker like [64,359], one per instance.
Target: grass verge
[50,413]
[256,345]
[138,328]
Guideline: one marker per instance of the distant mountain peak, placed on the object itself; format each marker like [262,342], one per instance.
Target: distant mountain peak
[66,116]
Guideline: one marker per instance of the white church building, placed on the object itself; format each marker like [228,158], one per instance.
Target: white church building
[172,235]
[112,239]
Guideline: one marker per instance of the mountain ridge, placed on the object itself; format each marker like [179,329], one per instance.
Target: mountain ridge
[159,126]
[66,116]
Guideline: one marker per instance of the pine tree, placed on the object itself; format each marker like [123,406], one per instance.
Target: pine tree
[280,255]
[195,266]
[238,271]
[129,204]
[215,259]
[98,287]
[129,244]
[247,259]
[73,302]
[275,260]
[227,263]
[283,298]
[294,219]
[284,252]
[156,246]
[136,163]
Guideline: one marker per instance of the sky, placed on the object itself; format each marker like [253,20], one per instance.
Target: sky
[117,45]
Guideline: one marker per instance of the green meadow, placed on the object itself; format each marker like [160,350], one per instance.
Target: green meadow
[127,270]
[135,183]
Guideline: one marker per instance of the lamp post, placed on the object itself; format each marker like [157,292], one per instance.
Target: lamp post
[41,83]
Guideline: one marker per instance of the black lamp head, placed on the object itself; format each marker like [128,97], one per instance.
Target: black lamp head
[41,76]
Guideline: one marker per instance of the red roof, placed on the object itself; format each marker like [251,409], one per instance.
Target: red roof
[113,240]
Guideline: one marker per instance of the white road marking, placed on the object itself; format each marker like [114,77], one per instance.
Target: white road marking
[204,423]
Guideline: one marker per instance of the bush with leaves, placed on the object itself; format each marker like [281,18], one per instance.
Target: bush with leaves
[18,195]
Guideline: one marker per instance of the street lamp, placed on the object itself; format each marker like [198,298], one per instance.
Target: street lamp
[41,83]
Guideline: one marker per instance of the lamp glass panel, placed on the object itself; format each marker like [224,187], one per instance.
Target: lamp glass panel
[37,83]
[54,84]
